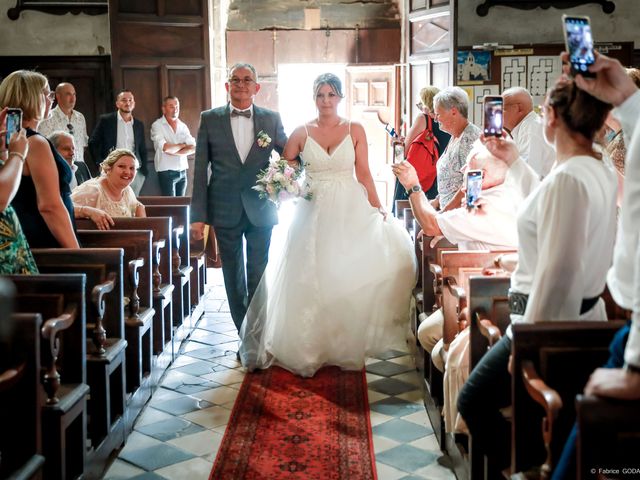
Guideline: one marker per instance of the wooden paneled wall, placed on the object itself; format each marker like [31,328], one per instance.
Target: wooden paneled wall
[160,48]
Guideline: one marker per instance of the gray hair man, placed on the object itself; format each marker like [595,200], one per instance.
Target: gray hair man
[64,143]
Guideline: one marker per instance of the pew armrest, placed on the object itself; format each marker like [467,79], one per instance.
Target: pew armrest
[175,255]
[134,277]
[50,331]
[156,246]
[549,399]
[99,334]
[487,329]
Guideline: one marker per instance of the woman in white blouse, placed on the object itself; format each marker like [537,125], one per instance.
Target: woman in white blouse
[109,195]
[566,230]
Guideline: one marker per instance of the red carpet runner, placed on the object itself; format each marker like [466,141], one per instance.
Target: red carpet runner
[284,426]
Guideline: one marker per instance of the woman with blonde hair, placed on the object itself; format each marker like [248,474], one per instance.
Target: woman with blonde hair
[42,202]
[110,195]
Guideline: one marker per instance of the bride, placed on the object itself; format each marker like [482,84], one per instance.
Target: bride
[342,289]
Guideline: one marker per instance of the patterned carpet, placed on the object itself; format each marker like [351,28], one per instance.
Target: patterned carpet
[284,426]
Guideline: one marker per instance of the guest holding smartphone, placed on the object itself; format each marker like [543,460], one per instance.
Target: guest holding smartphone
[42,202]
[15,256]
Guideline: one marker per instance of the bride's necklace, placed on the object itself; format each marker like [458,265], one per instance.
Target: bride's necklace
[328,126]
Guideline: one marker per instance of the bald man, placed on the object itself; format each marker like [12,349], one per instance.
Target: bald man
[526,129]
[64,118]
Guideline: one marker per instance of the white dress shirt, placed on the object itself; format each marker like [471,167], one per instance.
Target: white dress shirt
[58,122]
[566,231]
[532,146]
[125,137]
[243,132]
[624,276]
[161,133]
[493,229]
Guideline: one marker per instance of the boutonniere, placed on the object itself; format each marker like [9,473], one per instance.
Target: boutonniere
[264,140]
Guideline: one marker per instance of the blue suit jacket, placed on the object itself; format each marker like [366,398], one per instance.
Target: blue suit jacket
[221,199]
[105,136]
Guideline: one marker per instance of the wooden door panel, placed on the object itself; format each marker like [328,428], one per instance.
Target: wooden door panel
[187,85]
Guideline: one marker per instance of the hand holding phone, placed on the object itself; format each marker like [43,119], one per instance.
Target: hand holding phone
[398,152]
[473,188]
[579,42]
[14,123]
[493,115]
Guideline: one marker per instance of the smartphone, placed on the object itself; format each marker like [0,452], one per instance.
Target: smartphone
[579,42]
[492,115]
[14,122]
[474,187]
[398,153]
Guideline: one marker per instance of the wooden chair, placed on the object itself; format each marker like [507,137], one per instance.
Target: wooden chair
[106,342]
[20,391]
[63,353]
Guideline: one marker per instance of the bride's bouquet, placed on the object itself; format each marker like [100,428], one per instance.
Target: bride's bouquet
[279,182]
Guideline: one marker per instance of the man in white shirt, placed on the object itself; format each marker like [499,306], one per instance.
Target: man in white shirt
[64,118]
[492,226]
[173,143]
[525,127]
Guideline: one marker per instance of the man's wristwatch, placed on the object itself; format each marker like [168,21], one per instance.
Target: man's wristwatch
[414,189]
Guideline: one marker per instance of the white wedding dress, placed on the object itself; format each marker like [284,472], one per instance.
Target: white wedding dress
[342,288]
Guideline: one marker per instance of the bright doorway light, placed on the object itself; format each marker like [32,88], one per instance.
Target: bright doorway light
[295,91]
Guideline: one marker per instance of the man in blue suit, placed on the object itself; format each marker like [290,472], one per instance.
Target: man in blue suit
[120,130]
[228,144]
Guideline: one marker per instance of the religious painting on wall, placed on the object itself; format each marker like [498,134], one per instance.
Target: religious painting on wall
[474,67]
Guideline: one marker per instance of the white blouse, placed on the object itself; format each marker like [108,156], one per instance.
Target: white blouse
[92,194]
[566,232]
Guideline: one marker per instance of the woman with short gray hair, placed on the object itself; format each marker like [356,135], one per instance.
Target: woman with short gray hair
[451,107]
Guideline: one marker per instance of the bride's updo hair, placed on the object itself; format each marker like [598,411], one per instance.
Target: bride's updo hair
[580,111]
[328,79]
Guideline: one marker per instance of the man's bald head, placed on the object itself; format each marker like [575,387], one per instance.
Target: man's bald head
[66,97]
[517,105]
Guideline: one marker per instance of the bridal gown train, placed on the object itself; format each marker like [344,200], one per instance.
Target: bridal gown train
[342,289]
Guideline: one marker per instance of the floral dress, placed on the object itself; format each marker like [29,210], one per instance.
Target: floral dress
[15,255]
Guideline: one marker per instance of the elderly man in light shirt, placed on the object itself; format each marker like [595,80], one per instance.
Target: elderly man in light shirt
[526,129]
[64,118]
[173,143]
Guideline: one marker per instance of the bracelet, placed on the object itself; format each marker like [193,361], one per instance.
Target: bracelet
[17,154]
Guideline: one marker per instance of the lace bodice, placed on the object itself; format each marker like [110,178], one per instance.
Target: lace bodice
[92,194]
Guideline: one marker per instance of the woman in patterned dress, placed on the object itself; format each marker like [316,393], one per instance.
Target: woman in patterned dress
[15,256]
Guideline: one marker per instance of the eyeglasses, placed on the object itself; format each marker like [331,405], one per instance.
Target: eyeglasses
[49,95]
[419,105]
[237,81]
[70,128]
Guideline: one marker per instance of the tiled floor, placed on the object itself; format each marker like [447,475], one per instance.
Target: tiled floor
[178,434]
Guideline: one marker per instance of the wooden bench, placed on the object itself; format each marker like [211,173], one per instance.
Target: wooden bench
[20,391]
[552,362]
[608,437]
[197,256]
[139,314]
[106,342]
[63,353]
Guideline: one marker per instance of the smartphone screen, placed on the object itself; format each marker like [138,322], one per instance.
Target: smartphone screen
[493,115]
[579,41]
[398,152]
[14,122]
[474,187]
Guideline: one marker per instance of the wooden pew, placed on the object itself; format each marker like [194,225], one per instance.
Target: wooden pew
[162,247]
[181,255]
[400,206]
[20,391]
[608,437]
[138,282]
[197,256]
[63,352]
[106,342]
[552,362]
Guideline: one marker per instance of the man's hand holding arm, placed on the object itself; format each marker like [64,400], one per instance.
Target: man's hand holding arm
[422,209]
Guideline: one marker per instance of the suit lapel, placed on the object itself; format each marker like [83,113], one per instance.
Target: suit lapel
[228,133]
[258,126]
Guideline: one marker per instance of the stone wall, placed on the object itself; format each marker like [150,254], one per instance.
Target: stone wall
[510,25]
[37,33]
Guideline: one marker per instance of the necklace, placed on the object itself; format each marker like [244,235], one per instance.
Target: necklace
[328,126]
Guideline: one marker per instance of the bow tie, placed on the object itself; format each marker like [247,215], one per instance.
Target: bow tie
[241,113]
